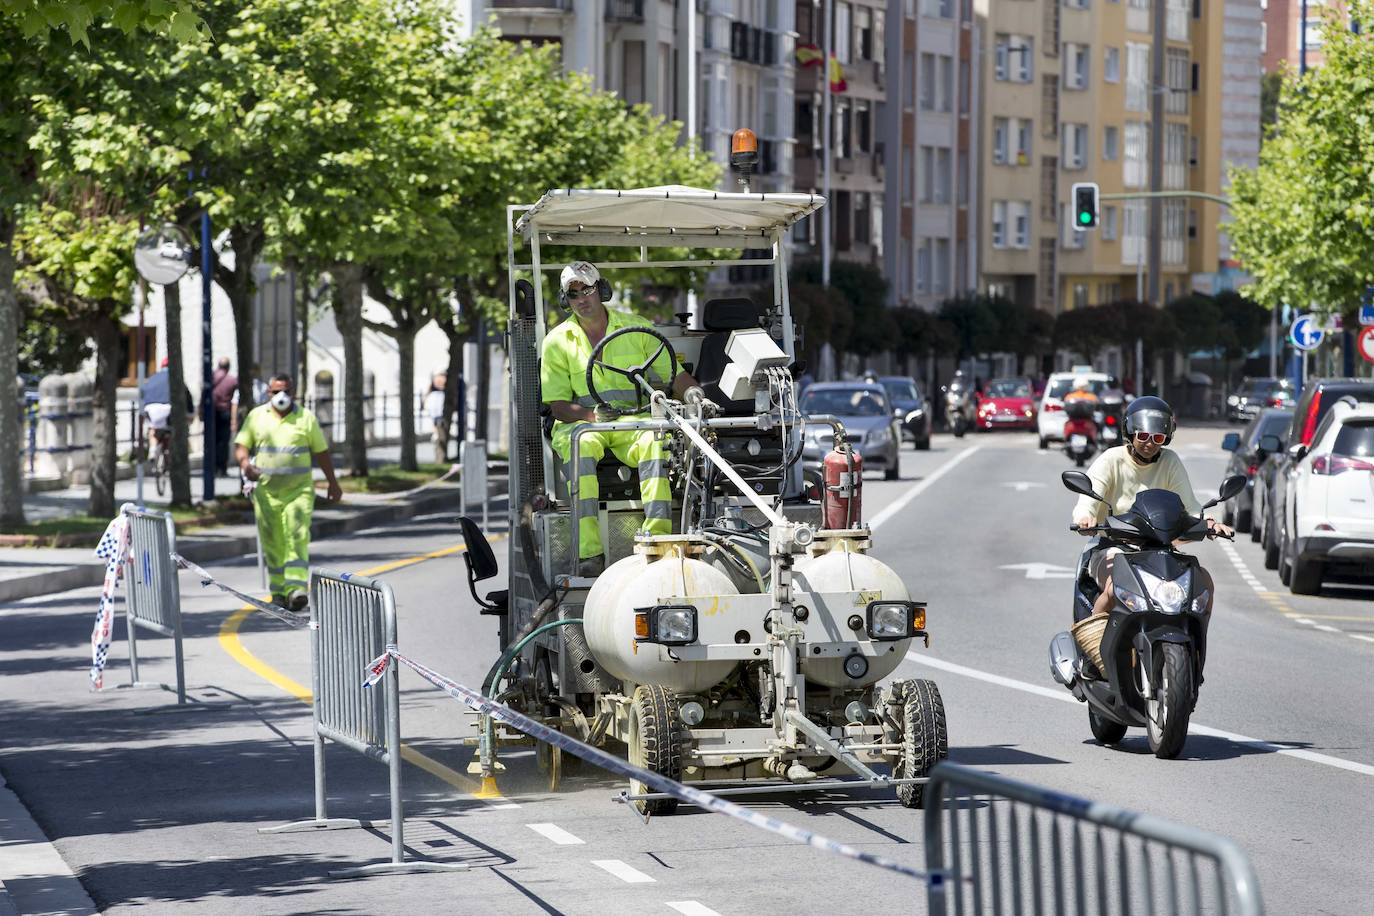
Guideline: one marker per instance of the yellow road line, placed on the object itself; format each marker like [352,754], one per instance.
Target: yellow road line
[229,639]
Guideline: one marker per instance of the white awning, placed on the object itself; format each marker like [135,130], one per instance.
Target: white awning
[666,216]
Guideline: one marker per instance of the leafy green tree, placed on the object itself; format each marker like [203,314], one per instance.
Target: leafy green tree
[1304,219]
[36,18]
[974,323]
[1021,329]
[1271,90]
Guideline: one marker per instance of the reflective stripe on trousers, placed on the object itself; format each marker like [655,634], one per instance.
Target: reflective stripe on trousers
[638,449]
[284,529]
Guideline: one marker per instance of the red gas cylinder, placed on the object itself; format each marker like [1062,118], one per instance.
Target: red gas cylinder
[842,496]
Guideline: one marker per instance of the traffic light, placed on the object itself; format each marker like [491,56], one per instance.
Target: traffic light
[1084,205]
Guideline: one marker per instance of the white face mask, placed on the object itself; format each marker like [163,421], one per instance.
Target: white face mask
[282,400]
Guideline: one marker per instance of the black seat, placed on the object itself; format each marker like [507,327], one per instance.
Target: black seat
[720,317]
[481,563]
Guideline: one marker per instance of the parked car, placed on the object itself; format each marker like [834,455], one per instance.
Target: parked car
[864,409]
[1246,458]
[1255,394]
[909,407]
[1328,517]
[1006,403]
[1317,397]
[1049,418]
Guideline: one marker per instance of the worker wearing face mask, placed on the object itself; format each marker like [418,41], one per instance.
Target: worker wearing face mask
[274,448]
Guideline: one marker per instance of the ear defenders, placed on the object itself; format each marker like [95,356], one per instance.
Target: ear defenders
[603,292]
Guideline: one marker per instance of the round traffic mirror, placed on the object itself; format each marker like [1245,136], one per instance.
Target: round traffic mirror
[162,254]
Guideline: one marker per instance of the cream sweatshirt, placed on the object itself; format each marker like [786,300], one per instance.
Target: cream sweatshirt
[1119,479]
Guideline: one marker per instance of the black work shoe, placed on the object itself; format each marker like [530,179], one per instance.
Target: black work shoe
[591,567]
[299,602]
[278,599]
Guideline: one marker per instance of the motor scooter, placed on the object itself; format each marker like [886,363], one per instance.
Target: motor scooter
[1154,638]
[1080,430]
[959,410]
[1110,418]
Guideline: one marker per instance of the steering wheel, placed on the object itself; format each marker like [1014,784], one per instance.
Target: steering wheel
[635,374]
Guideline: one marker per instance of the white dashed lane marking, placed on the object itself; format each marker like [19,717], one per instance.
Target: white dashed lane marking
[556,834]
[692,908]
[626,873]
[1276,599]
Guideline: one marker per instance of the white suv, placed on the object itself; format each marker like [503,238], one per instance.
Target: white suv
[1050,418]
[1330,499]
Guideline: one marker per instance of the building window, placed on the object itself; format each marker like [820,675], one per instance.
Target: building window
[1138,16]
[923,265]
[1176,19]
[1075,146]
[946,93]
[1012,58]
[1133,214]
[1135,171]
[863,218]
[928,82]
[999,224]
[1111,65]
[1075,65]
[844,32]
[1080,295]
[1076,4]
[1111,139]
[942,176]
[1109,224]
[939,9]
[1023,140]
[863,124]
[1018,212]
[1000,135]
[1178,77]
[863,34]
[1137,76]
[940,284]
[1175,153]
[927,174]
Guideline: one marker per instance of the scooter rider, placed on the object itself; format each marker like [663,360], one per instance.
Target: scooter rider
[1120,473]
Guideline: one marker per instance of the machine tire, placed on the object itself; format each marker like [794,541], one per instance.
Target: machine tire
[1176,693]
[1080,460]
[894,472]
[923,445]
[1105,730]
[655,742]
[1305,576]
[924,739]
[1271,550]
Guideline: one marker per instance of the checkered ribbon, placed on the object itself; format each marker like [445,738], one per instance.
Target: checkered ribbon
[705,800]
[206,580]
[114,550]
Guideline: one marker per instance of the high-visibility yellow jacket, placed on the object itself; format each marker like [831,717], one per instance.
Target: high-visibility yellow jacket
[563,367]
[282,447]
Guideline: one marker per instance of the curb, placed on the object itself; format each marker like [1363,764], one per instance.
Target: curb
[202,550]
[31,859]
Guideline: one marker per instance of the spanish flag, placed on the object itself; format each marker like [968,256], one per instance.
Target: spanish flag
[808,55]
[837,83]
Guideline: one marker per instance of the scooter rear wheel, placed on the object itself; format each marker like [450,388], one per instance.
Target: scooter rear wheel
[1105,730]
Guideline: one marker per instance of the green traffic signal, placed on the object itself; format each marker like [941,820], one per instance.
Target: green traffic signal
[1085,218]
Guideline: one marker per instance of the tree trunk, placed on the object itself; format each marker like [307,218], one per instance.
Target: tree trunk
[11,468]
[348,315]
[405,342]
[238,285]
[455,372]
[181,427]
[105,330]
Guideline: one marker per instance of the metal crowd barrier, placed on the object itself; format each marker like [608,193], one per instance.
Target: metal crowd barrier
[153,593]
[994,845]
[352,621]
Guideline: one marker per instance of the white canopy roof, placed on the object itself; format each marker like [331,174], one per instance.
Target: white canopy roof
[664,216]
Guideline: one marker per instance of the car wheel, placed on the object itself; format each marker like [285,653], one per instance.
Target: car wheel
[1044,443]
[923,445]
[1305,577]
[1228,517]
[1285,564]
[1244,520]
[1271,550]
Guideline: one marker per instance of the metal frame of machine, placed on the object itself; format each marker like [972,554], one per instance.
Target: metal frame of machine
[744,650]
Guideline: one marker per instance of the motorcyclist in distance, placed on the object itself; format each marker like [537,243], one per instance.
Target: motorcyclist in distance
[1119,474]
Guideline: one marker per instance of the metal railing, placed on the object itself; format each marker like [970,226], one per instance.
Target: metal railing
[153,594]
[994,845]
[352,621]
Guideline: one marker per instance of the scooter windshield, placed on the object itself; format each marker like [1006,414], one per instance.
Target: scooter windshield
[1161,513]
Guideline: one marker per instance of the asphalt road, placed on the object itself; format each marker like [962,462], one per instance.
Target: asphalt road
[158,808]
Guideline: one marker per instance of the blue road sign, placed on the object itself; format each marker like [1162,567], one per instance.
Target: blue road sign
[1306,332]
[1367,313]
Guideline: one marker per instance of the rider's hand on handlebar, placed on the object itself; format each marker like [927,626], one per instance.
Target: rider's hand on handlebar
[1217,530]
[1086,521]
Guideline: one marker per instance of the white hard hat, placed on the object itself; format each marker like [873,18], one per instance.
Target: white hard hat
[584,271]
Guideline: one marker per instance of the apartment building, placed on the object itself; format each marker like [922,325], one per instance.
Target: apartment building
[1285,32]
[1068,93]
[744,63]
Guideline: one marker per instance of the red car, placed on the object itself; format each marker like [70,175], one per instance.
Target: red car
[1006,403]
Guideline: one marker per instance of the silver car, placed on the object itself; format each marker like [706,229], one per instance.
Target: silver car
[868,422]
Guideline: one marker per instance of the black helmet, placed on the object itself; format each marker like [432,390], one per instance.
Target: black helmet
[1150,415]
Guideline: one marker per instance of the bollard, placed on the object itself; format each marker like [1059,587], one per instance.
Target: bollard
[50,458]
[80,389]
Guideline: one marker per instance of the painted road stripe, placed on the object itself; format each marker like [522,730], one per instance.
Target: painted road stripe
[1362,636]
[556,834]
[1193,728]
[692,908]
[626,873]
[919,488]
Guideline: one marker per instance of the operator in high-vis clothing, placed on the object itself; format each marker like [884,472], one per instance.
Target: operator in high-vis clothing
[275,448]
[563,380]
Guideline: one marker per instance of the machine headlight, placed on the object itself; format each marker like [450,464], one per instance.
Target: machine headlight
[1133,601]
[666,624]
[888,620]
[1169,594]
[856,666]
[1233,400]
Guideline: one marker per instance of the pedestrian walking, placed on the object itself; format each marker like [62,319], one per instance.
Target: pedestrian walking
[275,447]
[434,408]
[222,390]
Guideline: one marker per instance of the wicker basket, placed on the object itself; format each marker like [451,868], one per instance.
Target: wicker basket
[1088,634]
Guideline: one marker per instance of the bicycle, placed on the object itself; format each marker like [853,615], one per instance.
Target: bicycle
[160,459]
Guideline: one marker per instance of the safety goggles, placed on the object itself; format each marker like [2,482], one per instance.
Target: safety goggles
[582,293]
[1156,438]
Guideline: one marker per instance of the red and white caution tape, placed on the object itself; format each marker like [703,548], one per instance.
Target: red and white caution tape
[285,616]
[705,800]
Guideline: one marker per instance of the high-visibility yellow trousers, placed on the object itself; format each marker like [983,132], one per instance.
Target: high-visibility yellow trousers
[283,517]
[638,449]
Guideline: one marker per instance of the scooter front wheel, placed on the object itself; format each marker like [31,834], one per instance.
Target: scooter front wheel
[1105,730]
[1172,704]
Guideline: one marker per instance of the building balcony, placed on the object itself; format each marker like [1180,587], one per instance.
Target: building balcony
[624,10]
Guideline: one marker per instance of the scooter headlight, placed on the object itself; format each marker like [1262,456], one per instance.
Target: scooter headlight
[1200,602]
[1169,594]
[1133,601]
[667,624]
